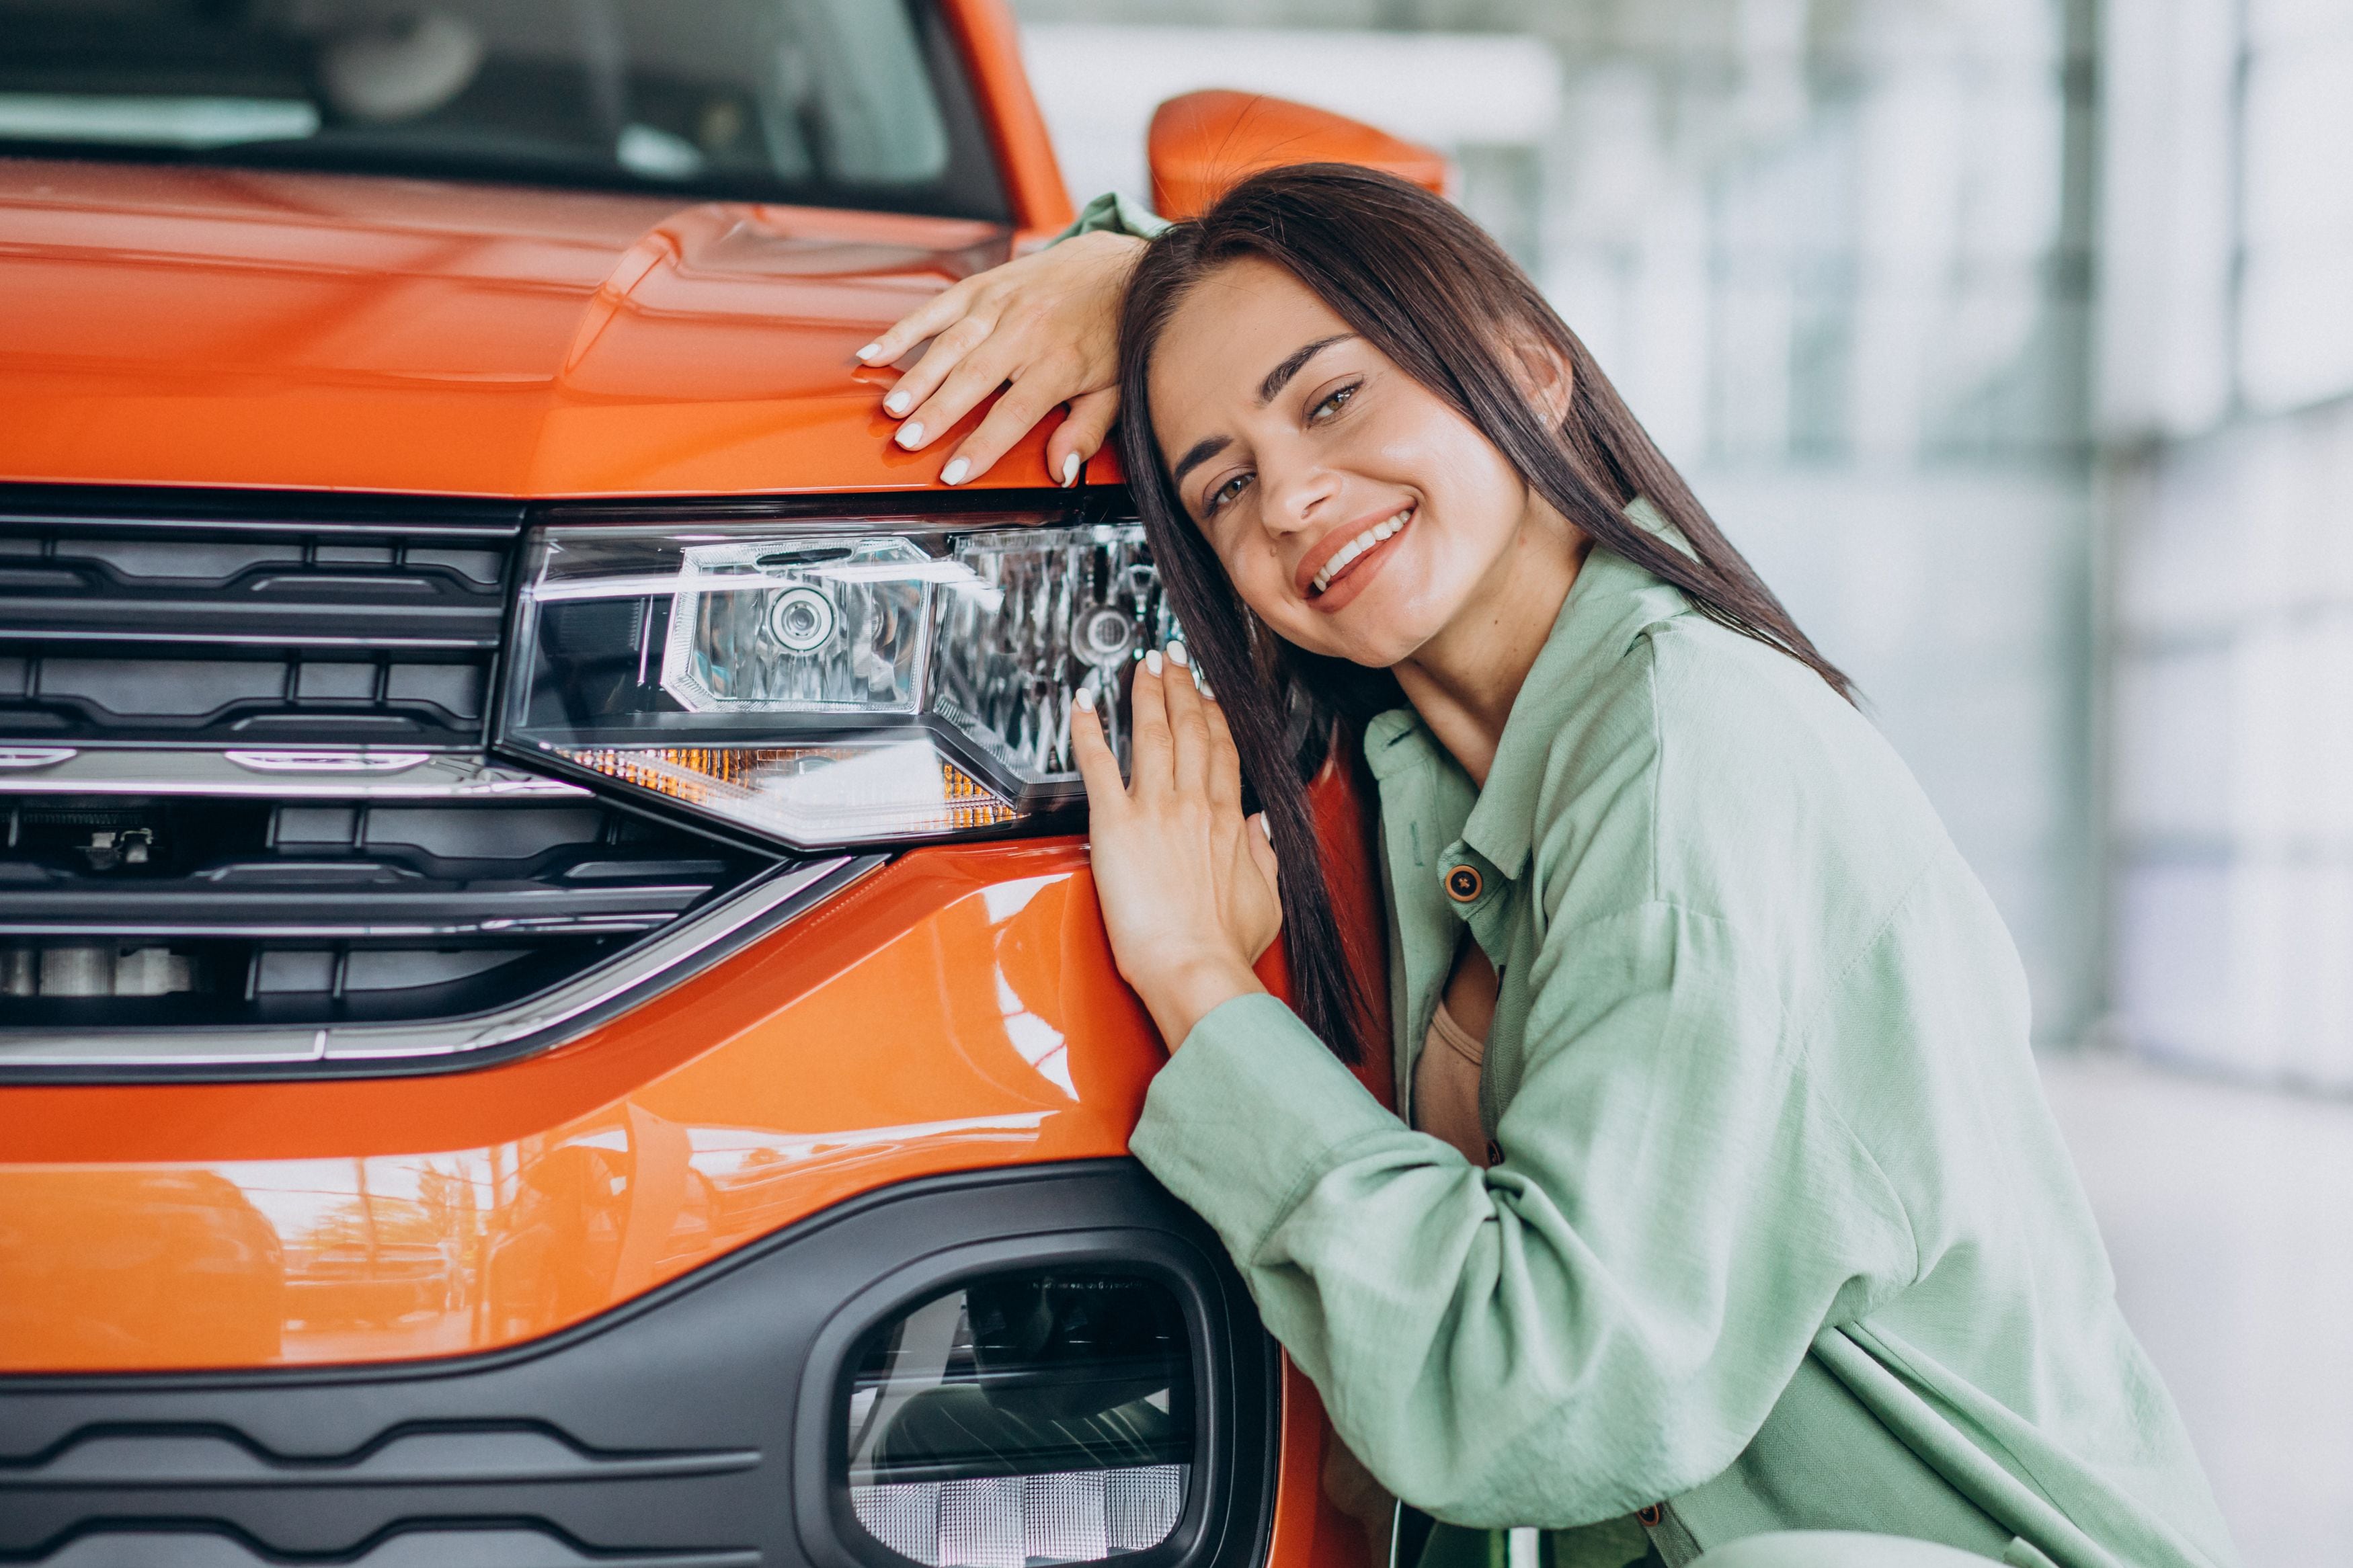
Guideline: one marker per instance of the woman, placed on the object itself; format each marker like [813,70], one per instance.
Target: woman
[1725,1215]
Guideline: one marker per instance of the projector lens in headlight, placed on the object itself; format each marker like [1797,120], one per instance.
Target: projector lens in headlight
[831,683]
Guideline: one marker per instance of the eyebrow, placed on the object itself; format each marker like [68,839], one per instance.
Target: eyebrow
[1276,380]
[1280,376]
[1206,447]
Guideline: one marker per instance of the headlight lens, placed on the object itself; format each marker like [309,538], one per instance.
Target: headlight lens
[826,683]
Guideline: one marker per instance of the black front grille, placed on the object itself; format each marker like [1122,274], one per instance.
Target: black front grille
[184,623]
[179,911]
[244,787]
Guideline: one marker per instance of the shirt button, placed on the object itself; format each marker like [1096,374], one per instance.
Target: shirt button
[1463,884]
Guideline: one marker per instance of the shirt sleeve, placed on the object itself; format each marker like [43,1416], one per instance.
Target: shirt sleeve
[1599,1321]
[1116,213]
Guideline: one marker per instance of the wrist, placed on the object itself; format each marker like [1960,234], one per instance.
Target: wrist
[1181,994]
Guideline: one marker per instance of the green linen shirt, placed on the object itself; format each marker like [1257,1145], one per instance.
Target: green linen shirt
[1114,213]
[1782,1233]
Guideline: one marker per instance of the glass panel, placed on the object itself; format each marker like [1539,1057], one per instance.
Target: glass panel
[833,101]
[1024,1420]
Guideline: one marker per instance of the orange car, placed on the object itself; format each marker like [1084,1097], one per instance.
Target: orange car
[551,1009]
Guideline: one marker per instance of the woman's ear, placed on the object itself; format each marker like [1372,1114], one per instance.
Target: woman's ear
[1546,379]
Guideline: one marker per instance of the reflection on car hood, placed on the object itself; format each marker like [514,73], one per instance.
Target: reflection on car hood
[214,326]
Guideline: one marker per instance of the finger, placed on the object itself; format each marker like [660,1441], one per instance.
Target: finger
[1148,761]
[1078,438]
[1098,768]
[1225,760]
[1014,416]
[926,319]
[977,374]
[1189,729]
[1260,839]
[964,351]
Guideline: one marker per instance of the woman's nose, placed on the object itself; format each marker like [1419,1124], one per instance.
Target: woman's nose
[1296,497]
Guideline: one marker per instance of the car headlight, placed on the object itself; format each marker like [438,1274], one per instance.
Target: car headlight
[830,683]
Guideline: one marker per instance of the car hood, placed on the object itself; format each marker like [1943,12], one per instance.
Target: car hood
[213,326]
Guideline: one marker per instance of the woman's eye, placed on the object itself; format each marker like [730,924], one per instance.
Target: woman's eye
[1332,400]
[1224,493]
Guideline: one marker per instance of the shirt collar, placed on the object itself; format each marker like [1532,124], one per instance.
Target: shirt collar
[1610,605]
[1396,739]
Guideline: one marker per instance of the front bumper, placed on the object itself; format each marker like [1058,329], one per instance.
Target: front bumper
[685,1430]
[956,1010]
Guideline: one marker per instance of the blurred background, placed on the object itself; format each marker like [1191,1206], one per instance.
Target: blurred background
[2013,342]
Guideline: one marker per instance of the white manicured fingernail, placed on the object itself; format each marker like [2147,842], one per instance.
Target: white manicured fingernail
[1069,469]
[870,351]
[1152,662]
[955,472]
[1085,699]
[911,434]
[897,403]
[1266,826]
[1176,655]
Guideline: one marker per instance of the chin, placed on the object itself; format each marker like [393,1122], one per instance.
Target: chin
[1381,647]
[1386,627]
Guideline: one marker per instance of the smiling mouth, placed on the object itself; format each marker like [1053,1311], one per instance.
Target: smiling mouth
[1356,549]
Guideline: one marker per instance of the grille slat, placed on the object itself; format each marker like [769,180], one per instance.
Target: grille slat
[360,625]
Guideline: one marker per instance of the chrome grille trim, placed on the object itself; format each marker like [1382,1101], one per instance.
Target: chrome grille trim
[279,773]
[632,976]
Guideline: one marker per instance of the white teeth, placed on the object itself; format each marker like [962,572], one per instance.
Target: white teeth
[1378,533]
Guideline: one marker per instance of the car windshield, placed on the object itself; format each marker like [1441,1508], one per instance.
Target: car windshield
[837,102]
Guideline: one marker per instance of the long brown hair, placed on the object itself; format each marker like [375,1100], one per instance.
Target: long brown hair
[1427,287]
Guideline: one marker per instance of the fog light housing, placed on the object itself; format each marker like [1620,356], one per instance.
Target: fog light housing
[1023,1420]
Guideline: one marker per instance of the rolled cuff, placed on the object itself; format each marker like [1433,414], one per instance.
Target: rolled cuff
[1249,1112]
[1114,213]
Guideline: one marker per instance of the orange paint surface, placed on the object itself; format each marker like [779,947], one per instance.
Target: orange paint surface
[1204,144]
[1312,1530]
[194,326]
[180,325]
[990,39]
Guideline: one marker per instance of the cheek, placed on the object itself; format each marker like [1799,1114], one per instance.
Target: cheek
[1257,573]
[1466,474]
[1475,500]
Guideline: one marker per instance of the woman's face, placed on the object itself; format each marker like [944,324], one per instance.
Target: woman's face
[1357,513]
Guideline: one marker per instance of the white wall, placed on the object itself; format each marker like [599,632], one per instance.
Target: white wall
[1099,84]
[2232,817]
[2227,401]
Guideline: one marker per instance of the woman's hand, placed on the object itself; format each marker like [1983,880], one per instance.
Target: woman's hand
[1048,323]
[1187,883]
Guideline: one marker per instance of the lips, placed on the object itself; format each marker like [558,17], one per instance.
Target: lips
[1341,551]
